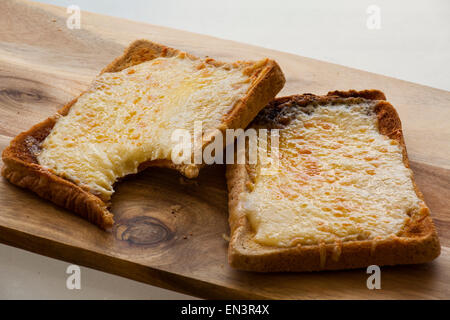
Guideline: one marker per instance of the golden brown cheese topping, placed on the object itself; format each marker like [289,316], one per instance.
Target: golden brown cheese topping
[127,118]
[339,180]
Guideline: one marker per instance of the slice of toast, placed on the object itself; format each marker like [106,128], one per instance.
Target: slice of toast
[343,196]
[124,121]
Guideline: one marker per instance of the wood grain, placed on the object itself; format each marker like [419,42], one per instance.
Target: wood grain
[169,230]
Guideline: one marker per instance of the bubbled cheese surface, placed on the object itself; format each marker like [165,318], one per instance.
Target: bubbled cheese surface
[127,118]
[339,180]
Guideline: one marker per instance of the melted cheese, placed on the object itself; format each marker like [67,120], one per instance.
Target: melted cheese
[339,180]
[127,118]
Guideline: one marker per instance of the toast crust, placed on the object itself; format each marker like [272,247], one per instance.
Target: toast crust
[21,167]
[418,242]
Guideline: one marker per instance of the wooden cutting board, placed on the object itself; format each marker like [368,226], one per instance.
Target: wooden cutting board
[169,230]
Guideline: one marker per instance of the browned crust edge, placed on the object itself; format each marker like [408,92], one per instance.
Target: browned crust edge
[21,168]
[418,244]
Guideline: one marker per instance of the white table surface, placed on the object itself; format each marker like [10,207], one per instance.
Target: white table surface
[412,44]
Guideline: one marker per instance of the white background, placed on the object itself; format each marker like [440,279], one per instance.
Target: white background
[413,44]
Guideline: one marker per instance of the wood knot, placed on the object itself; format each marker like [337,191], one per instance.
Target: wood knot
[143,231]
[24,95]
